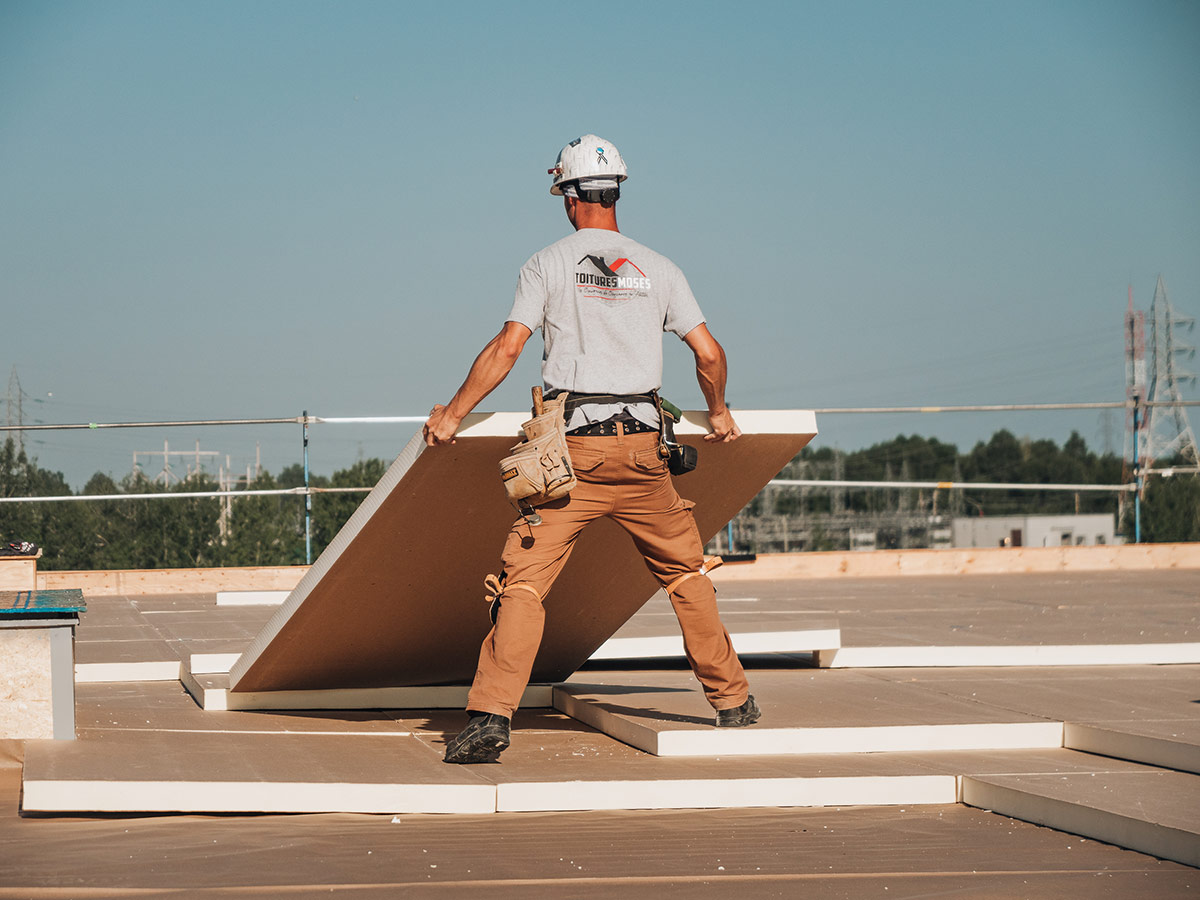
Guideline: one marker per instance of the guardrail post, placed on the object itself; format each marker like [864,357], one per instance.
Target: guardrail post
[1137,474]
[307,500]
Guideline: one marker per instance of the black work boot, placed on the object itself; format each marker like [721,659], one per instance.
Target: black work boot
[746,714]
[482,741]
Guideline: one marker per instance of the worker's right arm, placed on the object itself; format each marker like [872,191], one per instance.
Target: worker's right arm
[490,368]
[711,371]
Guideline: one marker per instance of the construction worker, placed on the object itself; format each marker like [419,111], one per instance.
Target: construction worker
[603,302]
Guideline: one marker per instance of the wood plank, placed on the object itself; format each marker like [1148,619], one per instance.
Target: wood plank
[18,573]
[133,582]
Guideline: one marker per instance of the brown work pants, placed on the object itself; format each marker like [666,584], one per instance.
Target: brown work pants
[621,477]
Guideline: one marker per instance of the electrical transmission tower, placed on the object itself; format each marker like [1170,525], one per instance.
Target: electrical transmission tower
[1168,433]
[14,413]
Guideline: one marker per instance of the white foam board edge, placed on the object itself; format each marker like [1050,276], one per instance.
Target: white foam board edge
[433,697]
[241,796]
[211,663]
[671,646]
[251,598]
[1153,751]
[1016,655]
[1101,825]
[727,793]
[756,741]
[148,670]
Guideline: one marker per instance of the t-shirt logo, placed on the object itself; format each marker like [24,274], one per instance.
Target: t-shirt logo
[611,282]
[599,263]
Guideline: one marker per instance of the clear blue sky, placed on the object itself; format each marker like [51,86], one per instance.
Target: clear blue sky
[249,209]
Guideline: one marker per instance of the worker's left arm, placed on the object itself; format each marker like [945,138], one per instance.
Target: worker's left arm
[490,368]
[711,371]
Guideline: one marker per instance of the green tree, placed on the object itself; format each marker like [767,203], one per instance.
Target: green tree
[104,527]
[1170,510]
[1003,457]
[331,511]
[265,531]
[50,525]
[18,521]
[162,533]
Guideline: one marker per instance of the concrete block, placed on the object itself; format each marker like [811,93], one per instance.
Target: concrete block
[26,683]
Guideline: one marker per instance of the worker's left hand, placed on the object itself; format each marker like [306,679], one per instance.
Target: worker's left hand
[441,426]
[724,429]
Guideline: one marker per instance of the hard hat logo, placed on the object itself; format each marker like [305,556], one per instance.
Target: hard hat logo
[588,159]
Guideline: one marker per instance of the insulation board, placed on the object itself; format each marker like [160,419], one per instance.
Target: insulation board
[396,599]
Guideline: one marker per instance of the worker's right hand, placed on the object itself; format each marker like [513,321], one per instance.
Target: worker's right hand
[724,429]
[441,426]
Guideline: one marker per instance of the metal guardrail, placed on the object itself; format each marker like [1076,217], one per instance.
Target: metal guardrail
[306,419]
[776,482]
[951,485]
[307,491]
[173,495]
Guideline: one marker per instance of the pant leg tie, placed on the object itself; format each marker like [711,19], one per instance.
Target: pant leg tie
[496,588]
[711,563]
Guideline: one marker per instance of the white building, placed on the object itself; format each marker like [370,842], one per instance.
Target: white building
[1035,531]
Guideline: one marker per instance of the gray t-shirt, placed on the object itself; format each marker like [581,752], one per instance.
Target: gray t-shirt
[603,301]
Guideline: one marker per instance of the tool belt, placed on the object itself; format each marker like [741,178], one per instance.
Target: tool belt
[680,458]
[574,401]
[608,428]
[539,468]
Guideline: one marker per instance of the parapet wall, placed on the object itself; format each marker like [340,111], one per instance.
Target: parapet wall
[174,581]
[872,564]
[966,561]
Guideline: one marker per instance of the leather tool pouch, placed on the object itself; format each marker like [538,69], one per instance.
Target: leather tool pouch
[539,469]
[681,458]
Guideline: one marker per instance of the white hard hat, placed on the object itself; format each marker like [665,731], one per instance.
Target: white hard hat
[589,157]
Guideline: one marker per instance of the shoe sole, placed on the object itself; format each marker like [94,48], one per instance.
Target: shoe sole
[487,750]
[749,717]
[740,721]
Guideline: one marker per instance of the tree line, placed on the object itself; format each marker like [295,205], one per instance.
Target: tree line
[1170,506]
[171,533]
[1004,458]
[269,530]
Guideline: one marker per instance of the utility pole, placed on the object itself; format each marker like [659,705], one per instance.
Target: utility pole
[166,453]
[1135,392]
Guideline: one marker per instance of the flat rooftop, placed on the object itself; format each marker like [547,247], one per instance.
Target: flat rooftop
[866,777]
